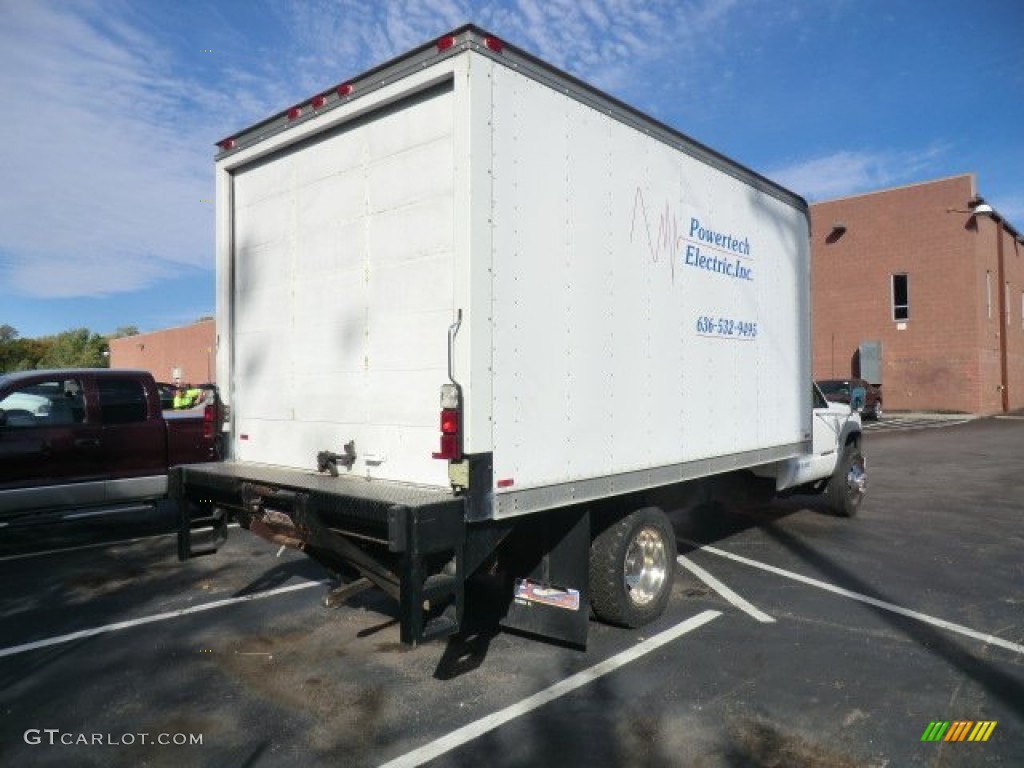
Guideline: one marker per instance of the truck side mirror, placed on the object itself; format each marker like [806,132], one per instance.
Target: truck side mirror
[858,398]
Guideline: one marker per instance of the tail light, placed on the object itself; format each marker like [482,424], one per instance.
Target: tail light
[451,424]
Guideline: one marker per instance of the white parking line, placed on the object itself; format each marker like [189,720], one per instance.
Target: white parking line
[891,607]
[36,644]
[478,728]
[723,590]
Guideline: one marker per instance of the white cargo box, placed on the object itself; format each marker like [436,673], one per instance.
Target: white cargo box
[631,307]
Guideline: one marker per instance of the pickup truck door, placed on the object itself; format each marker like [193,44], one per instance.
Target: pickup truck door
[49,448]
[134,442]
[826,425]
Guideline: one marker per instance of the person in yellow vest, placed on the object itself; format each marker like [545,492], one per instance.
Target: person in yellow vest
[179,401]
[186,397]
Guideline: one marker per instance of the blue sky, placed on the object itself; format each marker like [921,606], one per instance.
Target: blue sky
[111,109]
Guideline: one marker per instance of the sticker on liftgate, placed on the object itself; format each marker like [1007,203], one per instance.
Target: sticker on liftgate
[527,591]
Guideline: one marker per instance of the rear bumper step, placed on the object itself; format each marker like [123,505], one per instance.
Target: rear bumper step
[408,541]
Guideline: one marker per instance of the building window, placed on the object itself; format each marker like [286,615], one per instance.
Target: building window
[900,298]
[988,294]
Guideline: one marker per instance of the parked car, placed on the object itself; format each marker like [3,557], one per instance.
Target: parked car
[83,442]
[860,394]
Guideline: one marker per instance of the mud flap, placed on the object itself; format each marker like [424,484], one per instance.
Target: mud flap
[432,605]
[552,598]
[202,528]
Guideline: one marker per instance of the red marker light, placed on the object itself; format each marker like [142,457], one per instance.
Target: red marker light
[227,144]
[294,112]
[507,483]
[445,43]
[319,101]
[449,421]
[494,44]
[344,89]
[449,435]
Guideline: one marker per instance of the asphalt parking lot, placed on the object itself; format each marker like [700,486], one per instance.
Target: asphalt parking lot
[793,639]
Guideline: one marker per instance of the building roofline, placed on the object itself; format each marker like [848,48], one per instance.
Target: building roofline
[995,215]
[165,330]
[971,176]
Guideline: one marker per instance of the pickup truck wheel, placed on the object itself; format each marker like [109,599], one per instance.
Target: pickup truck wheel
[848,483]
[632,568]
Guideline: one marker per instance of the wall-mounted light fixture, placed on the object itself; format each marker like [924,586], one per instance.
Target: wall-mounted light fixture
[976,207]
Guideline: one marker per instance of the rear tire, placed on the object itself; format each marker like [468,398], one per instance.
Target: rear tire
[848,483]
[632,568]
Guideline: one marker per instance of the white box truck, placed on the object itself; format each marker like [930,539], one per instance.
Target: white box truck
[477,318]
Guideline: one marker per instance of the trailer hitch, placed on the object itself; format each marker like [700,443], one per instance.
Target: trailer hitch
[328,461]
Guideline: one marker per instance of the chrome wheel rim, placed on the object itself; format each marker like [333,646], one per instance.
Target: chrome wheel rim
[645,567]
[857,479]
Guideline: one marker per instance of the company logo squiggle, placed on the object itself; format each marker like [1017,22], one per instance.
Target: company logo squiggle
[666,241]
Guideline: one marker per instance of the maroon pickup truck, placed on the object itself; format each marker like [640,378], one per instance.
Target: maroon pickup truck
[92,441]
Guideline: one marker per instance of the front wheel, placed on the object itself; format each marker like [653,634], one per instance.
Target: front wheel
[632,568]
[848,483]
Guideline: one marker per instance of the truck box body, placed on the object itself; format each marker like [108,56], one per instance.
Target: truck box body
[601,305]
[633,306]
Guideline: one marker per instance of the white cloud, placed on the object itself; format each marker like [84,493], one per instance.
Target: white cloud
[848,172]
[106,145]
[606,42]
[103,178]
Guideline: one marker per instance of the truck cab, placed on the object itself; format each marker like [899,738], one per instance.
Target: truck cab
[835,465]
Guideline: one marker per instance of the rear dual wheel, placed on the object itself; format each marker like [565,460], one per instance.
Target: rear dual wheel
[632,568]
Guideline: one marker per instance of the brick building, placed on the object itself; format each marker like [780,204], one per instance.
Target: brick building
[935,276]
[185,353]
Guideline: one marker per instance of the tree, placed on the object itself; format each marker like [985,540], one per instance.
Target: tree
[12,349]
[125,330]
[79,348]
[17,354]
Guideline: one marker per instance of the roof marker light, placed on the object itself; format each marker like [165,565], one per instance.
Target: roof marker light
[494,44]
[319,101]
[344,89]
[294,112]
[445,43]
[226,144]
